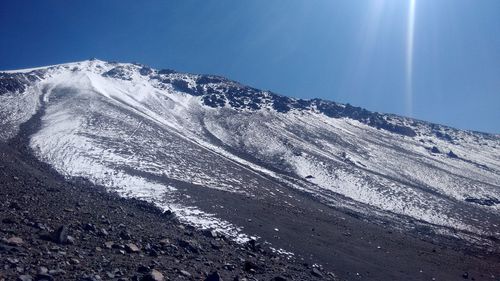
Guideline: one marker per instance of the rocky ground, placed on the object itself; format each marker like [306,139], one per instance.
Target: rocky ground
[54,230]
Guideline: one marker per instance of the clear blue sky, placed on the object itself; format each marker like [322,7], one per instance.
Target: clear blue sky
[351,51]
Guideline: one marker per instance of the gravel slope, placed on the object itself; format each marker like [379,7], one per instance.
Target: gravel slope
[36,201]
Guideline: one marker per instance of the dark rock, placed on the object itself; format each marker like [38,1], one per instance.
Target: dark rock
[316,272]
[451,154]
[57,272]
[15,206]
[253,245]
[279,278]
[117,272]
[182,86]
[216,245]
[185,273]
[109,244]
[14,241]
[166,71]
[214,276]
[103,232]
[6,248]
[90,278]
[89,227]
[46,236]
[145,71]
[250,266]
[125,235]
[210,233]
[190,245]
[119,72]
[70,240]
[229,266]
[25,278]
[465,275]
[208,79]
[44,277]
[154,275]
[332,275]
[12,261]
[483,201]
[60,236]
[164,242]
[143,269]
[132,248]
[9,221]
[443,136]
[41,226]
[434,149]
[43,270]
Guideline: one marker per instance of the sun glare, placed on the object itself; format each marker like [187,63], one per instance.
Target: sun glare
[410,34]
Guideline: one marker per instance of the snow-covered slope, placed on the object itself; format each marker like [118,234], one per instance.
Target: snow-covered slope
[143,133]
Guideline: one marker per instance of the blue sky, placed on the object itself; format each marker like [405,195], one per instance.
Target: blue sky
[351,51]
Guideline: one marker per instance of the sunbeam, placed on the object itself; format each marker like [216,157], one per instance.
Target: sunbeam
[410,34]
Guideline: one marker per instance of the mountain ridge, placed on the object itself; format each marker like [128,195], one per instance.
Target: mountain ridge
[283,103]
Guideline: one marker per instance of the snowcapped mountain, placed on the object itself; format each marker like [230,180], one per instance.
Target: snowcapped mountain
[172,138]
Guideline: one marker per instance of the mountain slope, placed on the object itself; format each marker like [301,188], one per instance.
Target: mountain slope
[175,139]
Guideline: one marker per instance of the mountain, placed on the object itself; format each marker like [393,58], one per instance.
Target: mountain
[254,164]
